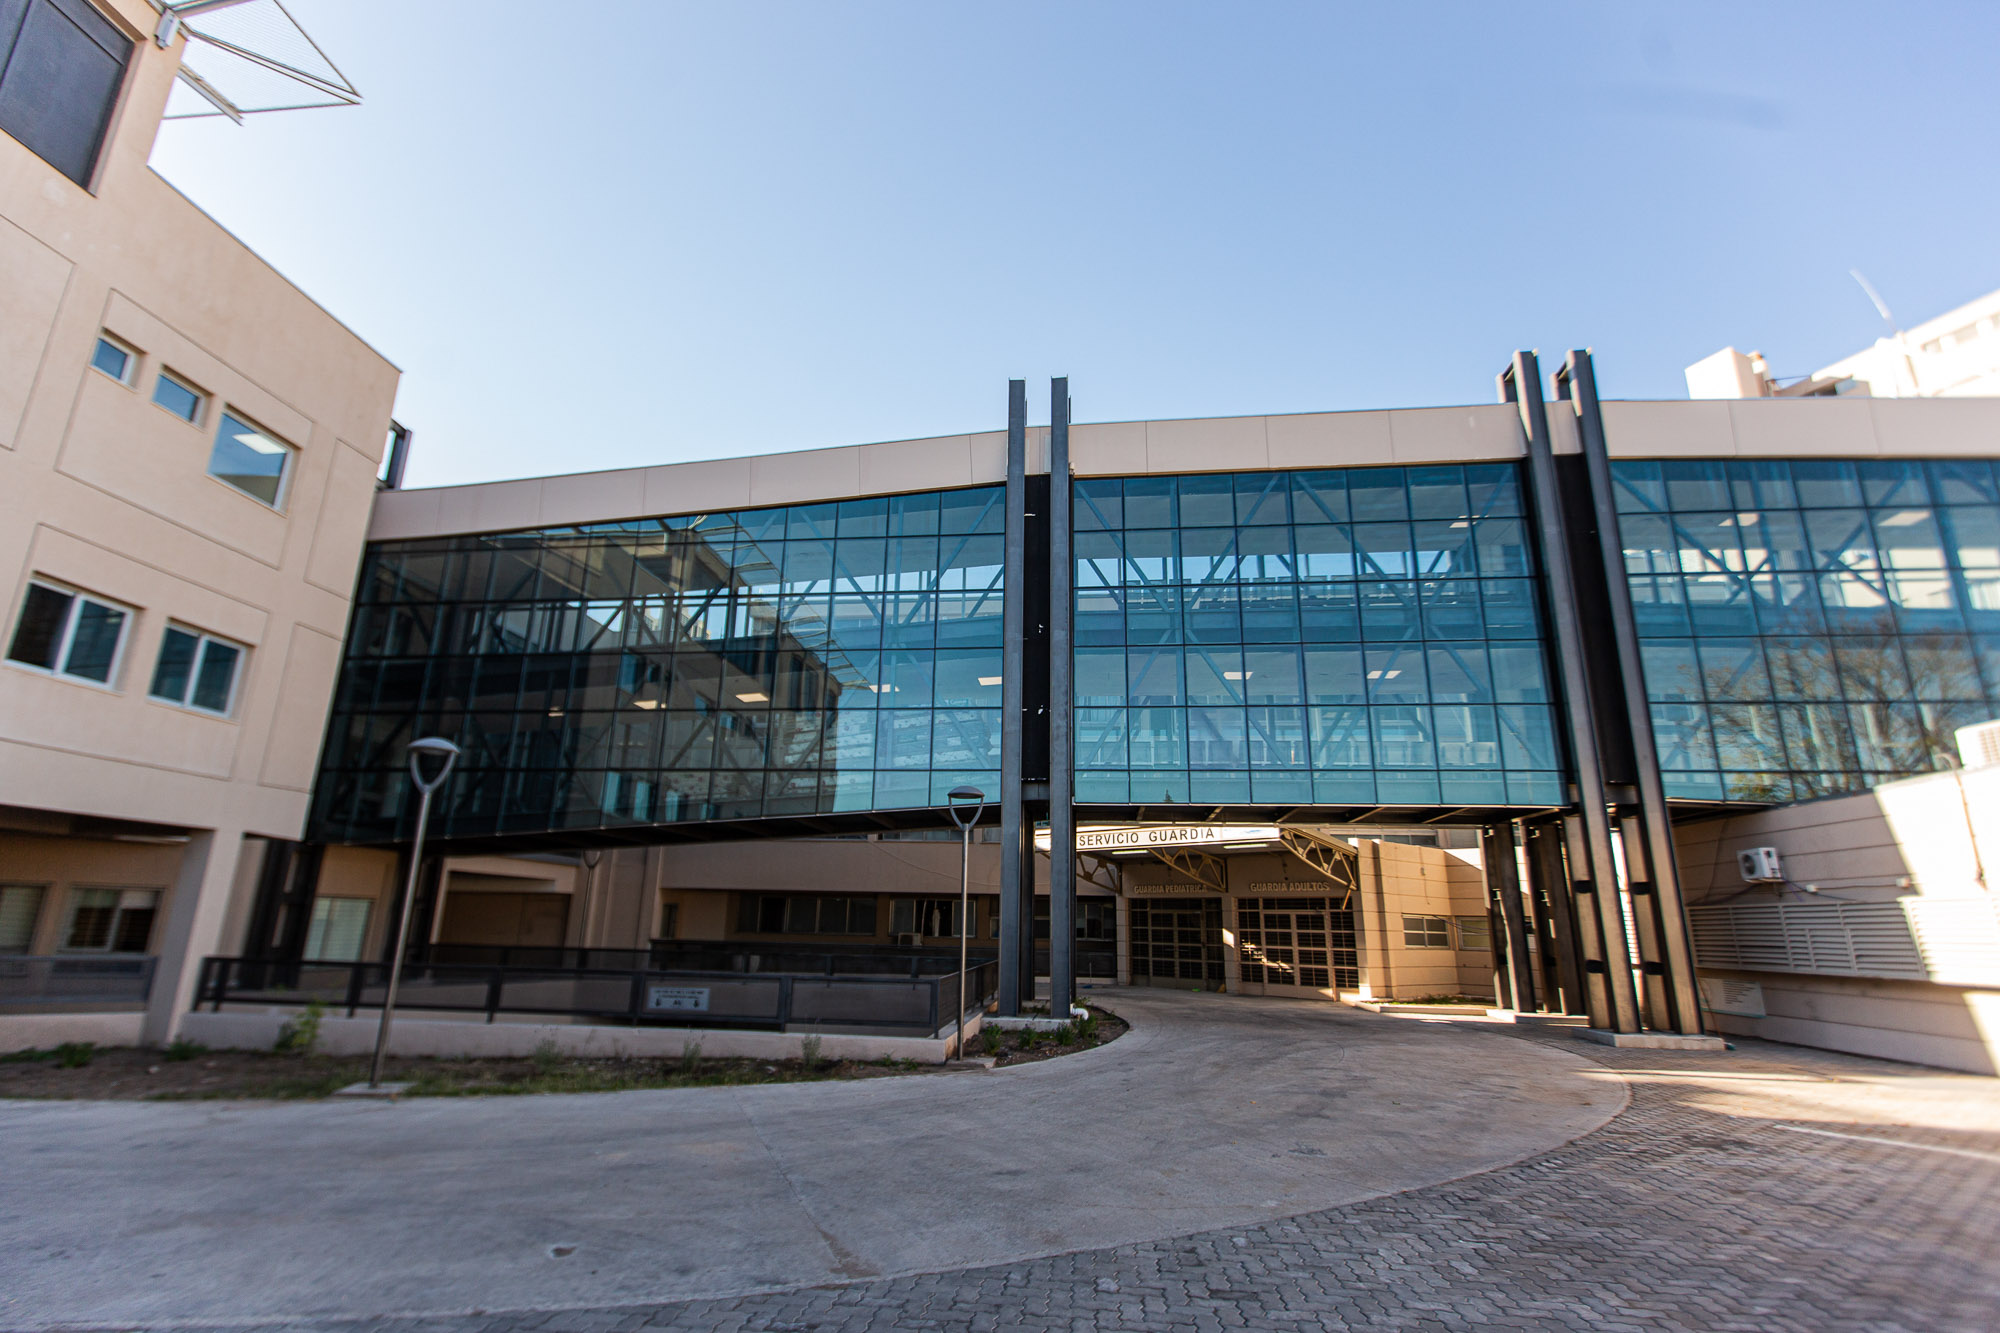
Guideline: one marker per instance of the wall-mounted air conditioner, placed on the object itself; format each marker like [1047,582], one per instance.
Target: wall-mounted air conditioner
[1759,865]
[1979,744]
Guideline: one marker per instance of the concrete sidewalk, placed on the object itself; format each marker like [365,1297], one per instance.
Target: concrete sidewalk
[1215,1111]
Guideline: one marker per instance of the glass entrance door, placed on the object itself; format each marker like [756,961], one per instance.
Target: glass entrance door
[1296,946]
[1177,942]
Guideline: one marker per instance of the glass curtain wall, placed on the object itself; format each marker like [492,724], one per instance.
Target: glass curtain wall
[772,662]
[1812,626]
[1351,637]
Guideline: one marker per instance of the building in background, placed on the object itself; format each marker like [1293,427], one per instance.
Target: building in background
[1956,355]
[188,452]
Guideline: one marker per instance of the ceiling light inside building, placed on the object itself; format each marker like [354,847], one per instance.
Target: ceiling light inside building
[753,697]
[989,680]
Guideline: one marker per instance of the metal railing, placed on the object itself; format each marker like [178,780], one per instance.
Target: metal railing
[69,979]
[679,997]
[714,956]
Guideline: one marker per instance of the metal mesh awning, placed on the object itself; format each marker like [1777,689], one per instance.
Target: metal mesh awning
[246,57]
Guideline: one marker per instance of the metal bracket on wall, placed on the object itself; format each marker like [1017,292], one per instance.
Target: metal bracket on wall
[1328,858]
[1201,867]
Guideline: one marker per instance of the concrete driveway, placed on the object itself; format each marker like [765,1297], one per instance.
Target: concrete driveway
[1214,1111]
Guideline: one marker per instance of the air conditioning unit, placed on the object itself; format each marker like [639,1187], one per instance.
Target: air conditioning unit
[1759,865]
[910,940]
[1979,745]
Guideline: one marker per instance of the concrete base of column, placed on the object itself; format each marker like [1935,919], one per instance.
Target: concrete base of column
[1654,1041]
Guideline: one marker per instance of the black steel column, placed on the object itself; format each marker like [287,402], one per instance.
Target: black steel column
[1667,957]
[1511,940]
[1017,926]
[1555,913]
[1062,751]
[1593,871]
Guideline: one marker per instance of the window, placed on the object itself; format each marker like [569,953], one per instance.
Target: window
[63,63]
[111,920]
[932,918]
[803,914]
[339,928]
[114,359]
[20,908]
[69,633]
[196,670]
[1426,932]
[250,460]
[1475,932]
[178,397]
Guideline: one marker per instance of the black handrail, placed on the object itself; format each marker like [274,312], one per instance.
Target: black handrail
[637,995]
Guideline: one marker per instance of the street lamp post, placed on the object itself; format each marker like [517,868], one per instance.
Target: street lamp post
[445,754]
[971,801]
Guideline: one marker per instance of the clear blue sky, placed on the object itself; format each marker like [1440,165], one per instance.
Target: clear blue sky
[622,233]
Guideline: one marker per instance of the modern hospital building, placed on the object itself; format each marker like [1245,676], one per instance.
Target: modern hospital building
[1666,714]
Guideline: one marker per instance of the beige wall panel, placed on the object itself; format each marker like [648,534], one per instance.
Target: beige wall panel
[312,662]
[579,497]
[1216,444]
[1113,449]
[168,476]
[1455,434]
[809,474]
[1936,427]
[32,277]
[1329,439]
[1668,430]
[400,514]
[988,450]
[159,592]
[915,465]
[337,536]
[698,488]
[1803,427]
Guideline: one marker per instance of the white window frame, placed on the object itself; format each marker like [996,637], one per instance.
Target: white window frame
[1481,924]
[1426,931]
[132,358]
[285,479]
[202,639]
[118,909]
[68,637]
[201,397]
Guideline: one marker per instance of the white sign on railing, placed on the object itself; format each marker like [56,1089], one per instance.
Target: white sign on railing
[661,998]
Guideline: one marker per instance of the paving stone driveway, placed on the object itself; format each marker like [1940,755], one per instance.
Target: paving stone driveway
[1768,1189]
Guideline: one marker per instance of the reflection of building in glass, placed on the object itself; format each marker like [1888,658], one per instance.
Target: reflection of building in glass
[777,662]
[1290,638]
[1812,626]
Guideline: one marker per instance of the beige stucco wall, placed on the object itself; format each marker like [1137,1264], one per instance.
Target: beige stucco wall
[1913,840]
[103,491]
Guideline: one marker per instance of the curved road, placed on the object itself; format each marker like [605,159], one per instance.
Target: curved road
[1213,1111]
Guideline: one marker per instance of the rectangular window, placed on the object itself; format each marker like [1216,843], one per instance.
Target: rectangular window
[178,397]
[111,920]
[803,914]
[339,928]
[1475,932]
[251,461]
[1426,932]
[63,63]
[114,359]
[196,670]
[69,634]
[20,908]
[932,918]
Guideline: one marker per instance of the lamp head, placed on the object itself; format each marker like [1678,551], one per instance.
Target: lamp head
[968,799]
[442,754]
